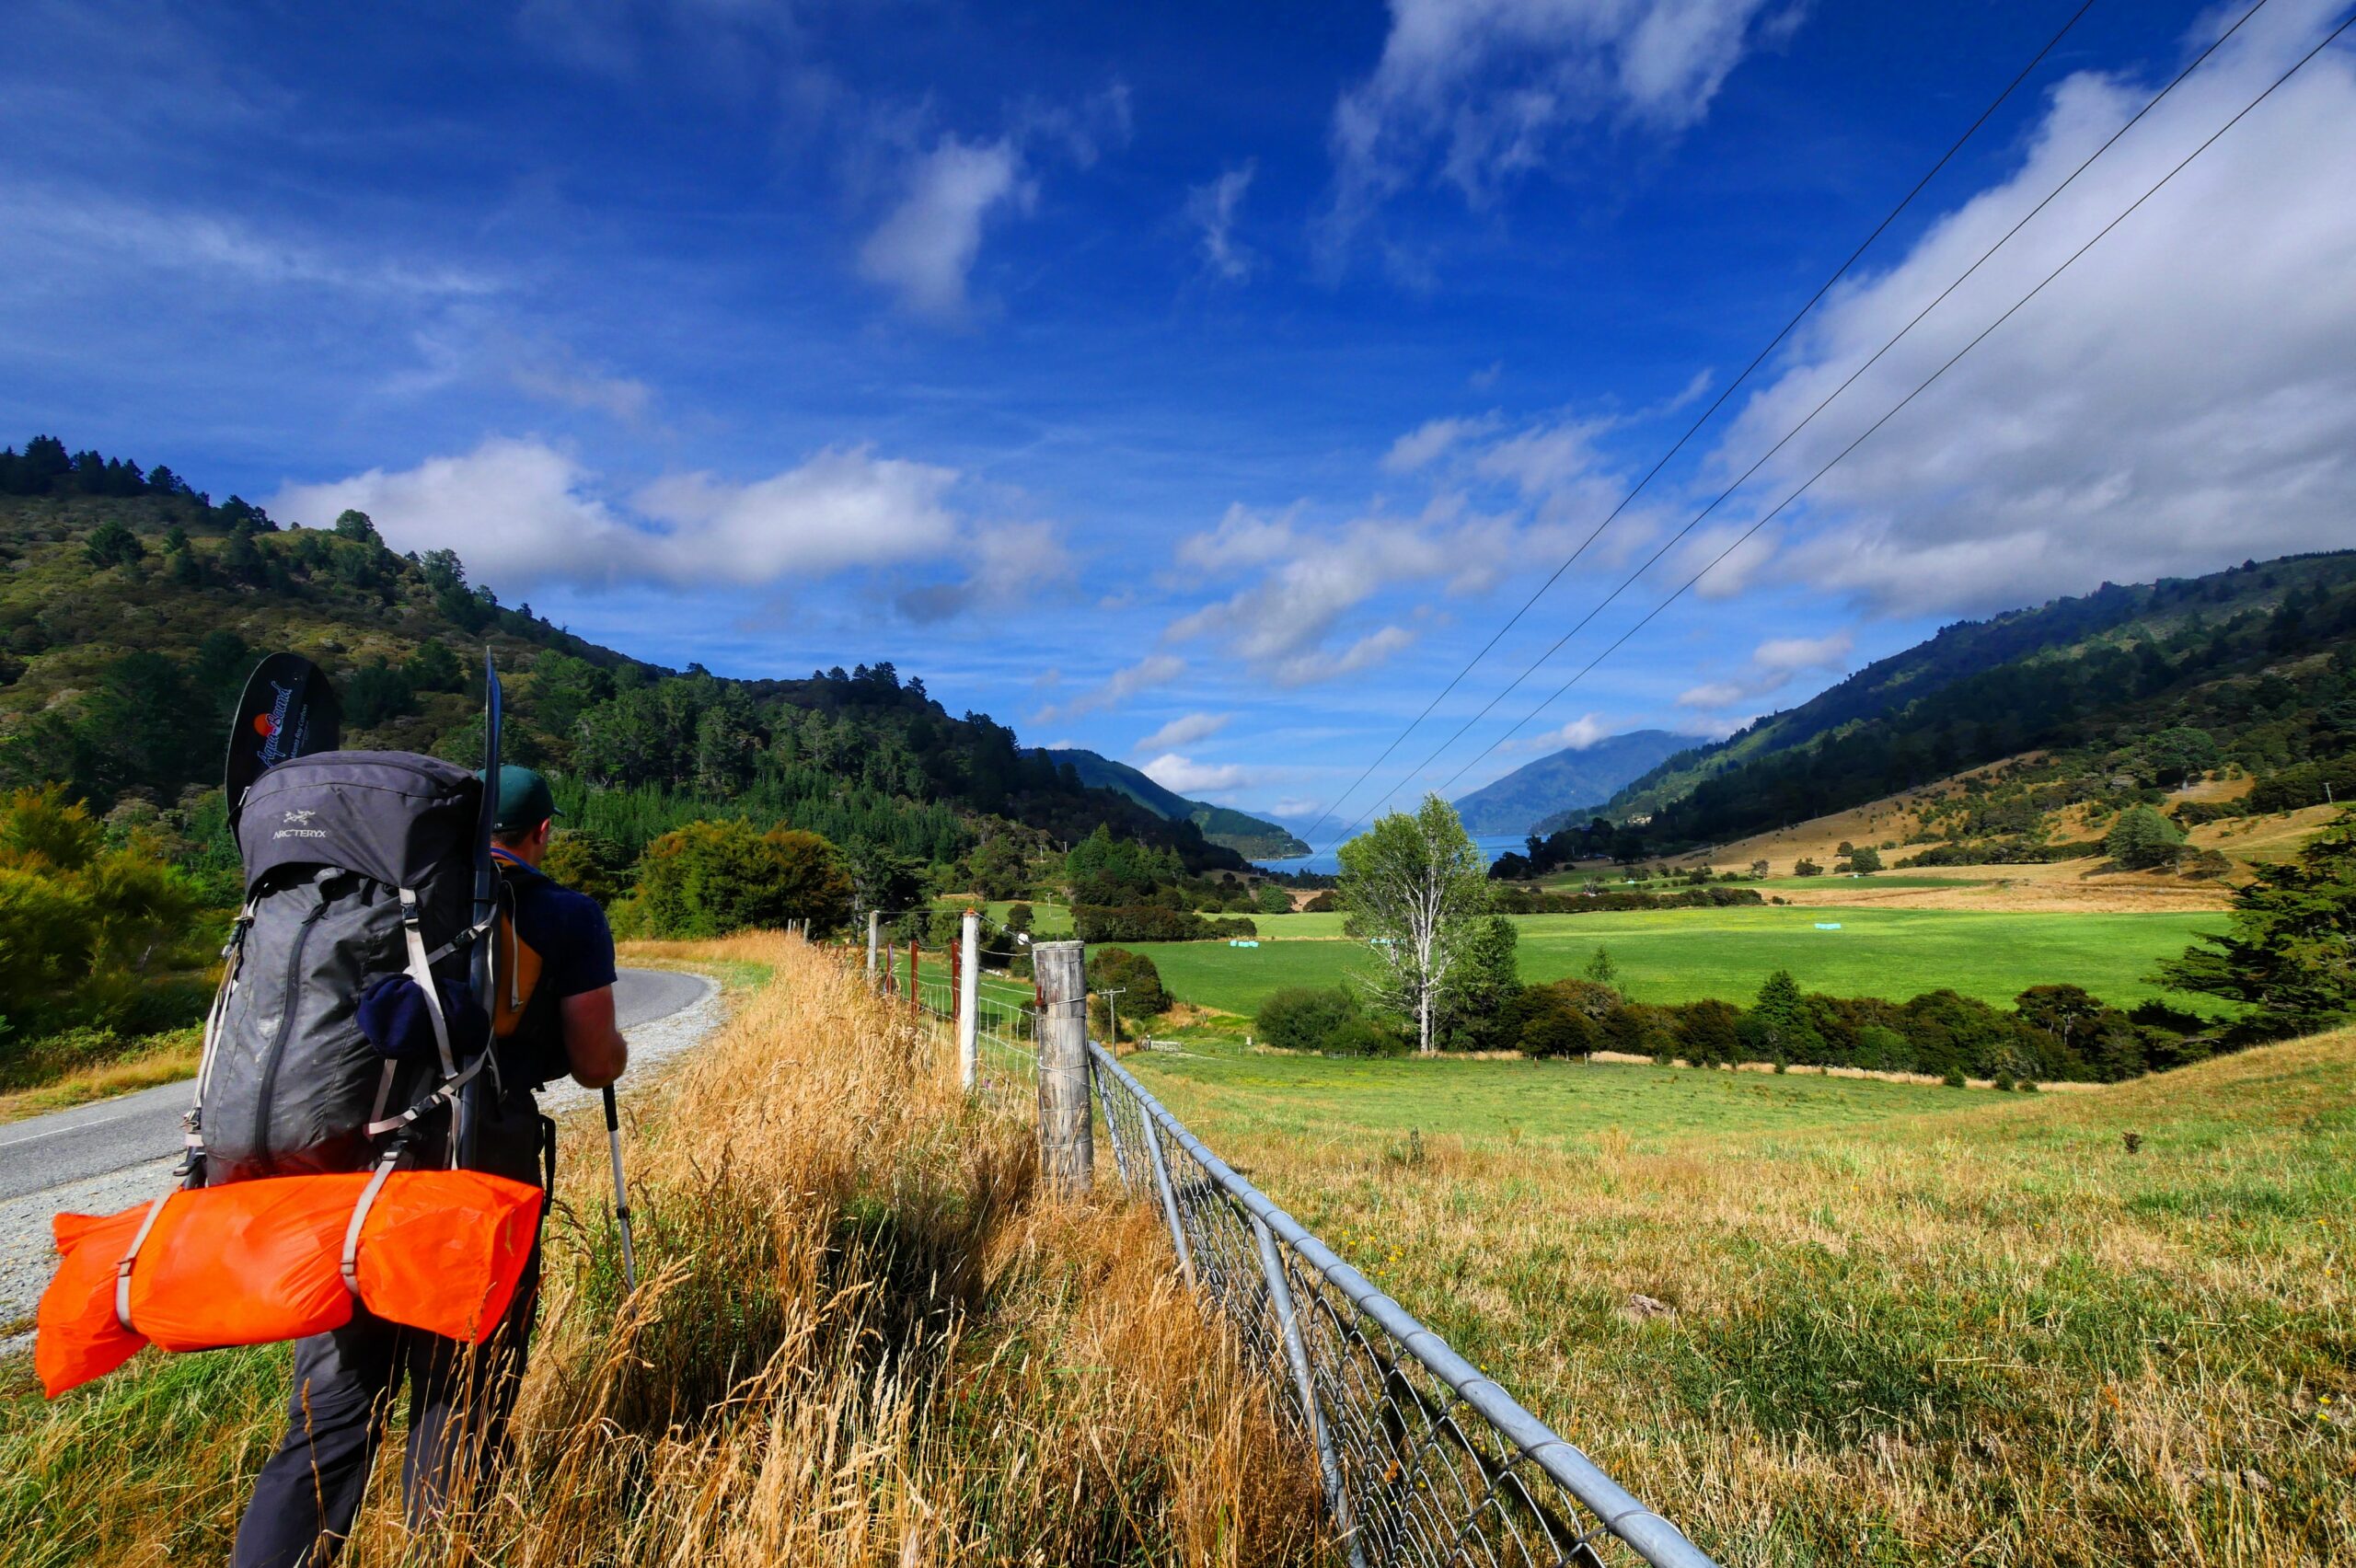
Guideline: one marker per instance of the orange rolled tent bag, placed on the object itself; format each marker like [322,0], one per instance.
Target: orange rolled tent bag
[282,1257]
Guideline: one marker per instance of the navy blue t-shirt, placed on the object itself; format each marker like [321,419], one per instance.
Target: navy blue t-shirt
[566,928]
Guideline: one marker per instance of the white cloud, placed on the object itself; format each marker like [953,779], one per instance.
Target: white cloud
[2182,398]
[1773,663]
[1420,446]
[843,508]
[1545,456]
[1154,670]
[1578,735]
[1186,777]
[1185,729]
[1281,622]
[522,512]
[1474,92]
[925,248]
[1243,537]
[45,232]
[1712,694]
[1211,208]
[1793,654]
[517,512]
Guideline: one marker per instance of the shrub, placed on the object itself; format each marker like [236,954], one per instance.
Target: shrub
[1364,1037]
[587,862]
[1707,1032]
[78,921]
[1131,973]
[1303,1018]
[1326,903]
[709,879]
[1550,1020]
[1807,868]
[1866,859]
[2142,840]
[1884,1050]
[1273,900]
[1954,1078]
[1019,917]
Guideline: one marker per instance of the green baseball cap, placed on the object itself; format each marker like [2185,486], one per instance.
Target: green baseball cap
[525,800]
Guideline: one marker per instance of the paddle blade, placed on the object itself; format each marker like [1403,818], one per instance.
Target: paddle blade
[288,709]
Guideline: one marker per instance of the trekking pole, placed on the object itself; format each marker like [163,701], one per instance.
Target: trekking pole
[621,1194]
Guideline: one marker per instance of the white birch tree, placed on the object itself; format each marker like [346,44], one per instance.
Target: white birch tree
[1414,886]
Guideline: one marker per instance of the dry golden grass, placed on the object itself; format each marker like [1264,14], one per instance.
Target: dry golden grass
[166,1058]
[1991,1333]
[863,1335]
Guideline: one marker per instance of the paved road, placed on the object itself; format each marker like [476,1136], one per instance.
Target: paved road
[47,1151]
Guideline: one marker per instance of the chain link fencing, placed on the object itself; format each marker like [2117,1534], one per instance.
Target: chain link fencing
[1424,1460]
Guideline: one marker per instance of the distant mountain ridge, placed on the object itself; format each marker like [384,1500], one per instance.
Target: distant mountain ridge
[1247,835]
[1565,782]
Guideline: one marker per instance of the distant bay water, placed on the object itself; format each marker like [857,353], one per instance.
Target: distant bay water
[1329,862]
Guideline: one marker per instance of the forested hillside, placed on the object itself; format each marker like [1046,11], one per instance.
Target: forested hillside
[2250,671]
[132,605]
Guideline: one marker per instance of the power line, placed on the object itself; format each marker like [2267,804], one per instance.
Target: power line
[1756,360]
[2327,41]
[1794,430]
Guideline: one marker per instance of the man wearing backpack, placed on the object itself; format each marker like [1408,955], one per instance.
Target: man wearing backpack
[554,1016]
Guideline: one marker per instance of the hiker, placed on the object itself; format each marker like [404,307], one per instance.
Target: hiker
[556,957]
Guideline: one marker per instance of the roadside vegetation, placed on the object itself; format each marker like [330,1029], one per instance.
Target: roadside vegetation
[862,1335]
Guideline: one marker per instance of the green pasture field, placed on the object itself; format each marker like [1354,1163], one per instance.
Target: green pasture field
[1819,1320]
[1557,1104]
[1682,955]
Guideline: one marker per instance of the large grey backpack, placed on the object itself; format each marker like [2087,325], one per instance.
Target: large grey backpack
[358,865]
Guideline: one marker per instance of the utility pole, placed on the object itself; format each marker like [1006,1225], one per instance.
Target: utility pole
[969,998]
[1067,1147]
[1112,1015]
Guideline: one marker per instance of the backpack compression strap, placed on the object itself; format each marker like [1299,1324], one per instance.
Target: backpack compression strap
[130,1256]
[421,969]
[233,953]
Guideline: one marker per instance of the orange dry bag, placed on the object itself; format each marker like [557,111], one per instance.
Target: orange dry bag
[280,1258]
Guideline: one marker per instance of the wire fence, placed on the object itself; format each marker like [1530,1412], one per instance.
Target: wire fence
[1424,1460]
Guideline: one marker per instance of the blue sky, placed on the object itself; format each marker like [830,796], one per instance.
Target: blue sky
[1200,383]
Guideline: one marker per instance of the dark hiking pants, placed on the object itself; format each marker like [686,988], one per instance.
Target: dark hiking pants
[345,1382]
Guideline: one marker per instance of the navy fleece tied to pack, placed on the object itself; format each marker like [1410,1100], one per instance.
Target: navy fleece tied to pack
[394,1018]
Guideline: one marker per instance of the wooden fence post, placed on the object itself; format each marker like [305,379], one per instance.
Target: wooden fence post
[912,977]
[1066,1143]
[874,941]
[969,998]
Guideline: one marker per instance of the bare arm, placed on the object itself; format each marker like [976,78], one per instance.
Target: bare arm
[592,1044]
